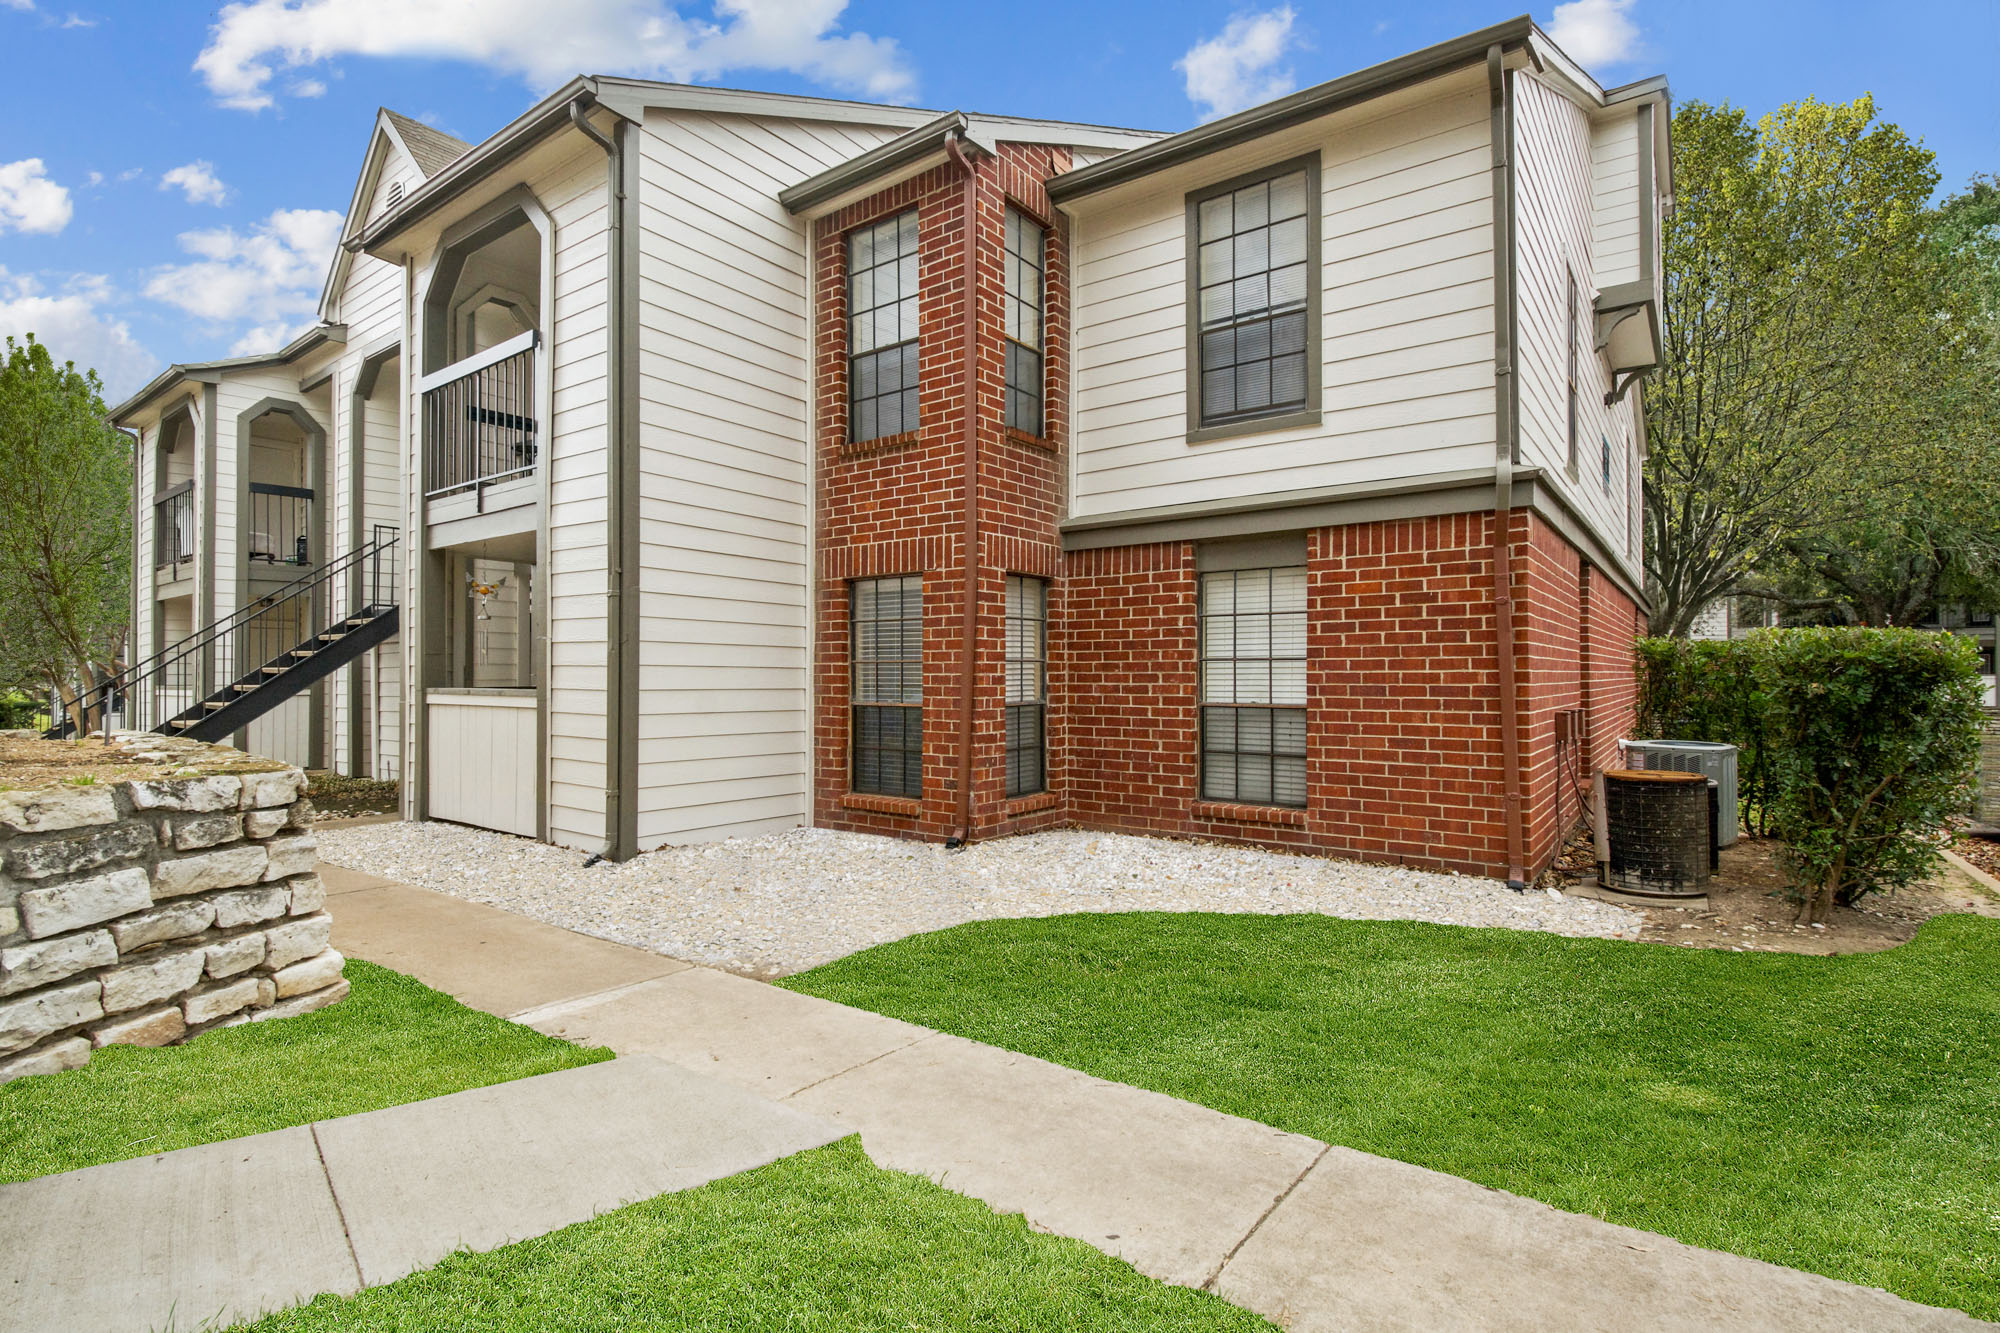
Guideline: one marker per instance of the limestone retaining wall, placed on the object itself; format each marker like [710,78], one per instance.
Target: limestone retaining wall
[148,911]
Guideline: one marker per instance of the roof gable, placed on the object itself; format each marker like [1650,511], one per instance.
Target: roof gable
[396,138]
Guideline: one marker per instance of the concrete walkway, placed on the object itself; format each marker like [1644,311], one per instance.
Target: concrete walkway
[229,1230]
[1314,1237]
[719,1074]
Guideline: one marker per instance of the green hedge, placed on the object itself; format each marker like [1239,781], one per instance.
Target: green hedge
[1856,743]
[1707,690]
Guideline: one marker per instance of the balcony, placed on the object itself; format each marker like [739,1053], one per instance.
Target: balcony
[278,531]
[479,420]
[173,531]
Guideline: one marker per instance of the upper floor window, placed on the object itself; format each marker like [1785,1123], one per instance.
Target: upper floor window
[1573,416]
[1254,305]
[1025,246]
[1605,440]
[882,328]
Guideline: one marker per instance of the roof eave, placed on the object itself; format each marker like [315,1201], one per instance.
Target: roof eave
[538,122]
[1307,104]
[897,155]
[210,372]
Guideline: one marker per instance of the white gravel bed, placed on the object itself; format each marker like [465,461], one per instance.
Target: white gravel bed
[788,901]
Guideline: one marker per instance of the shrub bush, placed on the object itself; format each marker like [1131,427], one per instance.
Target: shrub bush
[1707,690]
[1873,734]
[1856,743]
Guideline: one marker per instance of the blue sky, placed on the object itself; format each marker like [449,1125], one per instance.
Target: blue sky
[171,173]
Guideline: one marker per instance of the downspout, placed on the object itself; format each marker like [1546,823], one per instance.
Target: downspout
[1506,422]
[620,811]
[954,147]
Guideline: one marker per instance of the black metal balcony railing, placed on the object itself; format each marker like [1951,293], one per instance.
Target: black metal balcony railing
[479,418]
[173,526]
[278,527]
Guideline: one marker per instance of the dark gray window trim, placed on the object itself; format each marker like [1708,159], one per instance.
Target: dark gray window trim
[1309,415]
[1573,327]
[1202,706]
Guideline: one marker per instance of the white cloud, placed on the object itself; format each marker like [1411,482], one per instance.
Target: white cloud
[131,173]
[79,21]
[22,5]
[76,328]
[197,180]
[1595,32]
[309,88]
[95,178]
[270,276]
[29,200]
[253,41]
[268,337]
[1239,67]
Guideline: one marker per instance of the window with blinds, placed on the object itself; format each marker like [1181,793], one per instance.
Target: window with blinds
[1027,685]
[882,328]
[1253,686]
[888,685]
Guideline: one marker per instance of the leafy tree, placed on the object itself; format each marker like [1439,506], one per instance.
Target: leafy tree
[1809,311]
[1968,233]
[1933,537]
[65,526]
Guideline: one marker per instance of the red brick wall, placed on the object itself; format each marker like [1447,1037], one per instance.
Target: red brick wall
[1548,634]
[897,506]
[1403,713]
[1611,621]
[1403,722]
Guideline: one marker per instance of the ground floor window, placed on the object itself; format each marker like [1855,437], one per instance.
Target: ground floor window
[1027,685]
[1253,686]
[888,685]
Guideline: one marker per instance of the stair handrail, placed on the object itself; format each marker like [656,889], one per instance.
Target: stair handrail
[126,681]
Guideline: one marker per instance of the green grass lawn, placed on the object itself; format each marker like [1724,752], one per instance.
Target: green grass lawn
[1840,1115]
[390,1041]
[820,1241]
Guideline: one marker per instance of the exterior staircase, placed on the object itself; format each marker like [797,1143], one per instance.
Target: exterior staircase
[221,678]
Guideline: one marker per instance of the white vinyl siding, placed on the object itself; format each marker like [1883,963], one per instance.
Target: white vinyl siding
[1406,302]
[1554,236]
[1614,195]
[725,412]
[576,561]
[370,304]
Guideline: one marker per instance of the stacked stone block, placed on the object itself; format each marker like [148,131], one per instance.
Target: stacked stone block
[146,912]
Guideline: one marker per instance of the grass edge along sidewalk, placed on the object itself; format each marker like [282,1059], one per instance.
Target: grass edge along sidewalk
[392,1040]
[1829,1114]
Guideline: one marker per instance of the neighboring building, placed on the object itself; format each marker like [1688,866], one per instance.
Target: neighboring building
[702,533]
[1734,618]
[1959,618]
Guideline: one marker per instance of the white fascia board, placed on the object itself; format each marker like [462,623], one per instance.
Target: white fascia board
[1550,61]
[988,130]
[632,98]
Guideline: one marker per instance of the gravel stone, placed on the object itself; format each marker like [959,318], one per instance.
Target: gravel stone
[788,901]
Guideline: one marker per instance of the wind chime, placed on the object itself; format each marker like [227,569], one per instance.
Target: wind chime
[483,594]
